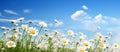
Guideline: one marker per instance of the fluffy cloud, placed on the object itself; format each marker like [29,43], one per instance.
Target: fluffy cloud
[99,19]
[80,15]
[91,23]
[102,22]
[10,12]
[85,7]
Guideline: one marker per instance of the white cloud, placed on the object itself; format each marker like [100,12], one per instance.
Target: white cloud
[91,23]
[80,15]
[113,19]
[88,22]
[10,12]
[57,23]
[4,20]
[99,19]
[85,7]
[26,11]
[106,23]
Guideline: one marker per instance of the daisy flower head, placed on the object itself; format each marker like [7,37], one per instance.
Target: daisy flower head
[56,42]
[99,36]
[15,36]
[70,33]
[33,31]
[115,45]
[65,41]
[62,35]
[42,46]
[10,44]
[3,28]
[43,24]
[82,37]
[5,33]
[30,21]
[81,33]
[20,19]
[86,44]
[56,32]
[41,36]
[102,45]
[24,27]
[13,21]
[81,49]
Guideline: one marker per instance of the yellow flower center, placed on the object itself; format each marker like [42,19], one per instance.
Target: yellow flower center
[81,38]
[102,45]
[32,31]
[115,45]
[25,27]
[86,44]
[99,39]
[14,37]
[41,37]
[42,24]
[64,41]
[82,50]
[11,44]
[70,33]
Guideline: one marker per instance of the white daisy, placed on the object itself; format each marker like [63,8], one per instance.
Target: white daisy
[81,49]
[102,45]
[10,44]
[82,37]
[86,44]
[13,21]
[33,31]
[115,45]
[20,19]
[43,24]
[70,33]
[24,27]
[15,36]
[65,41]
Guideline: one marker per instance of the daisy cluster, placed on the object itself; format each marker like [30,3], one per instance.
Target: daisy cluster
[29,37]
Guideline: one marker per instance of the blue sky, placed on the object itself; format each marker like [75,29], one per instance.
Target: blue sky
[77,15]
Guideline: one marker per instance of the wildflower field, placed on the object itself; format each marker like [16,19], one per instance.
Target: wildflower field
[28,37]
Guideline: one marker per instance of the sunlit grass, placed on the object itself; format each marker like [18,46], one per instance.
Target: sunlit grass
[29,37]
